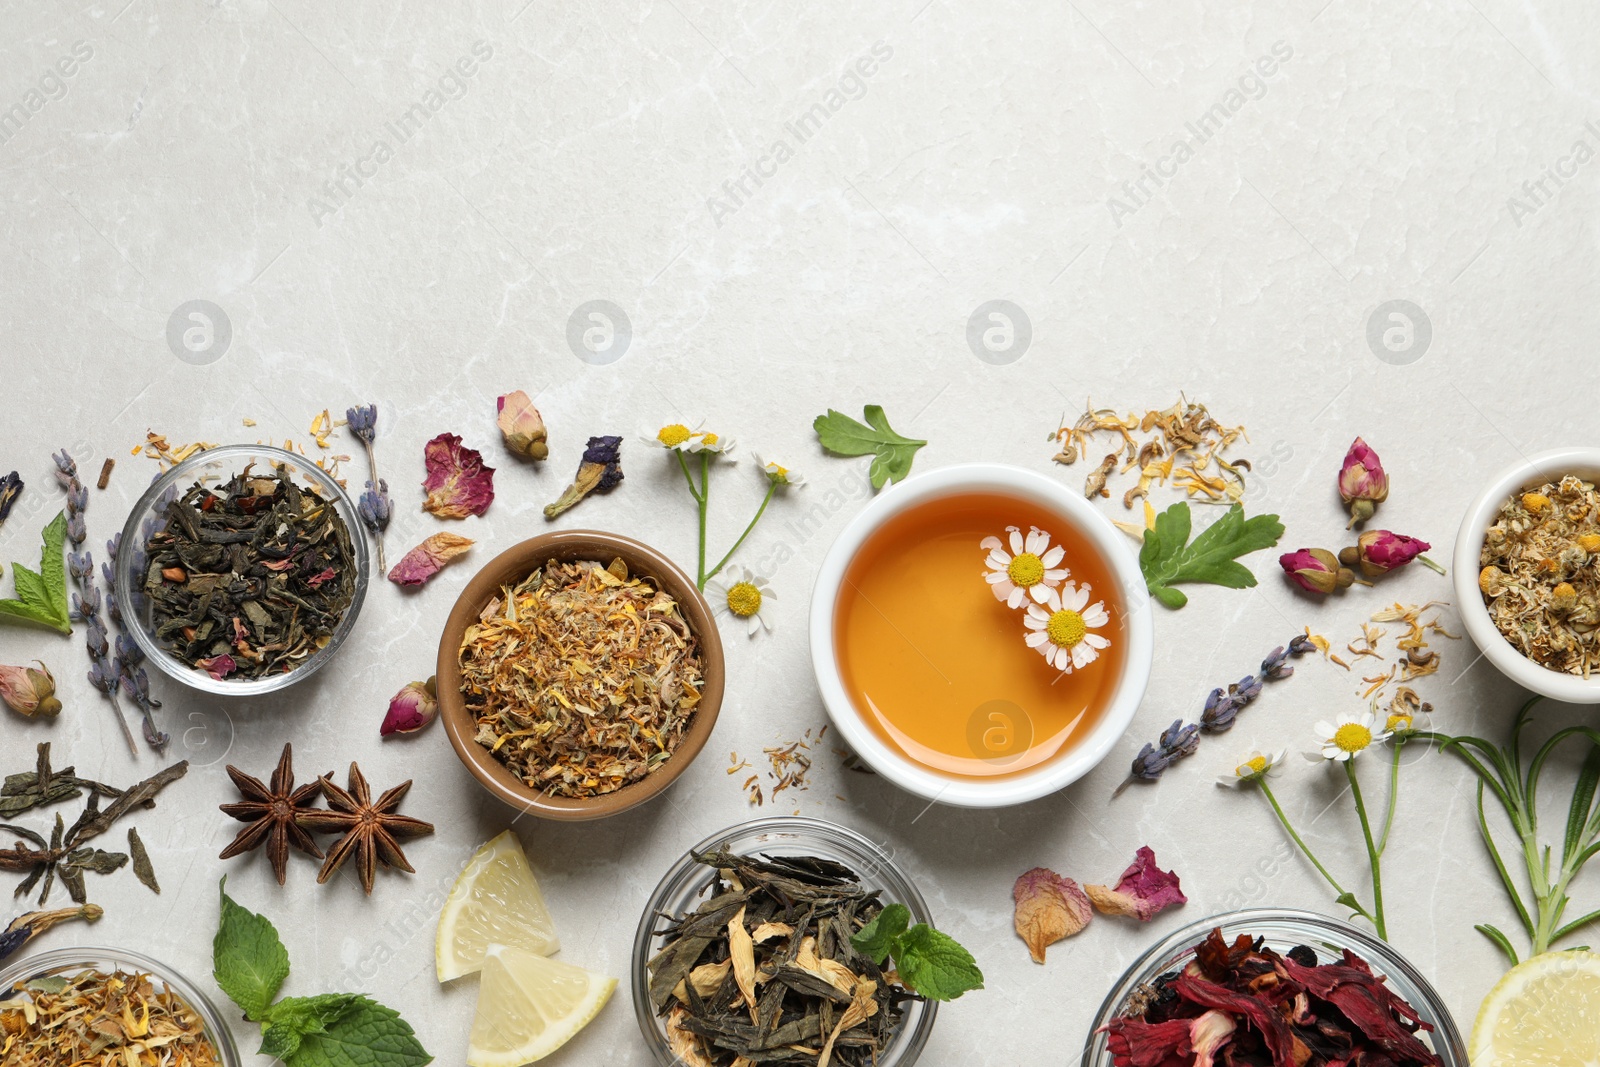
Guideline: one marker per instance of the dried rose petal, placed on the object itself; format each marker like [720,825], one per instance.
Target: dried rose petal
[219,667]
[1143,891]
[424,561]
[458,484]
[1048,908]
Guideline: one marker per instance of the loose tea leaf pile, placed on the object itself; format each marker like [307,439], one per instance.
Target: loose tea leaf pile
[582,679]
[764,971]
[99,1018]
[250,578]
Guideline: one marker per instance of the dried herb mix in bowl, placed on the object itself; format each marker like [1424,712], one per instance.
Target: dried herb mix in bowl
[582,679]
[249,578]
[98,1018]
[1540,578]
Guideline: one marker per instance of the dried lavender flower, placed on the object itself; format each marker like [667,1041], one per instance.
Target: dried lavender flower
[375,511]
[66,468]
[1276,667]
[363,420]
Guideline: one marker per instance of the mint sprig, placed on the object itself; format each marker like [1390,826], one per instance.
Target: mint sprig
[891,453]
[42,595]
[1169,557]
[928,962]
[331,1030]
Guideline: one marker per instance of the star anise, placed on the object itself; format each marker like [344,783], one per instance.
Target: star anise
[273,814]
[372,832]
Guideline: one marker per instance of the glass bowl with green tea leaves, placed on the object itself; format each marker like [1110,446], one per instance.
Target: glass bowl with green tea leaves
[242,570]
[108,1005]
[799,889]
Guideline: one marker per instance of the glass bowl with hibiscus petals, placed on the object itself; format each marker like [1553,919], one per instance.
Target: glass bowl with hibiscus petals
[1272,986]
[240,571]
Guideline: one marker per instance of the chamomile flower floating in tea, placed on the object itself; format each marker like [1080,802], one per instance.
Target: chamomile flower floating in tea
[743,598]
[1031,569]
[1060,628]
[1351,734]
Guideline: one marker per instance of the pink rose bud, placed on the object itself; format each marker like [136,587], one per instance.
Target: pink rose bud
[521,426]
[1381,551]
[1362,482]
[28,691]
[412,709]
[1316,570]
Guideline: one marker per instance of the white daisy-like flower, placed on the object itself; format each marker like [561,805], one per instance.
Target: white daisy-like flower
[706,441]
[1060,627]
[742,594]
[1030,569]
[1349,735]
[779,474]
[1256,767]
[674,436]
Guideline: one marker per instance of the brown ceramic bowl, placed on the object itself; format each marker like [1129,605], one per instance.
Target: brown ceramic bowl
[510,567]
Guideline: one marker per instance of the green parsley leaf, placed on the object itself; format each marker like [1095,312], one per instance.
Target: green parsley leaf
[42,596]
[891,453]
[934,964]
[366,1035]
[1168,557]
[876,939]
[248,960]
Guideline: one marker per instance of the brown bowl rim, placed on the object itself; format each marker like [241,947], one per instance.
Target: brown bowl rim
[512,565]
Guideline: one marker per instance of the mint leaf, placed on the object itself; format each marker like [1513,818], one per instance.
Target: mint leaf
[247,958]
[876,939]
[293,1018]
[1168,557]
[892,453]
[42,596]
[935,964]
[367,1034]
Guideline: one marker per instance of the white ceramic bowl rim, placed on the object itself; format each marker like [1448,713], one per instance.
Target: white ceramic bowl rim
[1045,492]
[1480,515]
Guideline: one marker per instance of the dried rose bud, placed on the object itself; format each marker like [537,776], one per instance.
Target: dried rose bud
[1362,482]
[411,709]
[1316,570]
[28,691]
[521,426]
[1378,552]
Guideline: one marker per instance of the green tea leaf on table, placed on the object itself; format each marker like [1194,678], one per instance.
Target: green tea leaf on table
[876,939]
[248,959]
[366,1035]
[1169,557]
[42,596]
[892,453]
[934,964]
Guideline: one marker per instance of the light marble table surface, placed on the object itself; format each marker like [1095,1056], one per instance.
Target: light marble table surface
[796,208]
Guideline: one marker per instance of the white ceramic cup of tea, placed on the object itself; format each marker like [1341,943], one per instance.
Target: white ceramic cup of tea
[1068,514]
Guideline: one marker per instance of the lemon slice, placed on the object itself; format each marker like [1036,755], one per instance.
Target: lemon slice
[495,901]
[529,1006]
[1542,1014]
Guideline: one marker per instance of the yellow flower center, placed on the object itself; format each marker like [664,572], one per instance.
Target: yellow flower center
[1398,723]
[1066,628]
[674,435]
[744,599]
[1025,569]
[709,439]
[1253,767]
[778,473]
[1352,737]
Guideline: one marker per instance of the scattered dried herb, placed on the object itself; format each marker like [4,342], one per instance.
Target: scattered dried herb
[25,928]
[105,472]
[458,482]
[582,678]
[168,456]
[142,867]
[42,595]
[599,471]
[372,831]
[274,813]
[891,452]
[251,577]
[1540,580]
[428,558]
[95,1017]
[373,507]
[10,488]
[1168,557]
[43,786]
[1183,443]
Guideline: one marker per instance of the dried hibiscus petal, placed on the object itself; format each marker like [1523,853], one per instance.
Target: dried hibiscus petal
[1134,1043]
[1048,908]
[458,484]
[1274,1031]
[1143,891]
[1366,1001]
[424,561]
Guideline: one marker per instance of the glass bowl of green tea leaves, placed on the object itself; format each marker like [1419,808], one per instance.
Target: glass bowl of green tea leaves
[106,1005]
[241,570]
[745,950]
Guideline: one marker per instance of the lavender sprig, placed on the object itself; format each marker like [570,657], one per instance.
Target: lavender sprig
[86,608]
[129,658]
[374,504]
[1222,707]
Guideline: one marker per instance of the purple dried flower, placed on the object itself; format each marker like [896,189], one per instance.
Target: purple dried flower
[1150,762]
[374,506]
[77,498]
[363,420]
[1301,644]
[1276,666]
[10,489]
[1245,689]
[77,532]
[86,605]
[129,654]
[103,678]
[113,609]
[81,566]
[66,469]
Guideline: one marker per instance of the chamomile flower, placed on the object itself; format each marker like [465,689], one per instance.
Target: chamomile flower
[706,441]
[1256,767]
[778,474]
[674,436]
[1030,569]
[742,595]
[1349,735]
[1060,627]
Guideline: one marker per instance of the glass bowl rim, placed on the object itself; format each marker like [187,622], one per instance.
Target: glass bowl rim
[679,877]
[1385,958]
[196,679]
[58,959]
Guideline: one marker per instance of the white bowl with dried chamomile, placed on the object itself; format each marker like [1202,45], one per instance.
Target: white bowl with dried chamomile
[1527,574]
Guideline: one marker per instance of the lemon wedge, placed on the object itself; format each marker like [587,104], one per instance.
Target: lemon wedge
[529,1006]
[1541,1014]
[495,901]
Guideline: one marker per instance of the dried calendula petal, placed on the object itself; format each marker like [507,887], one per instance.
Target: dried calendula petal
[741,950]
[424,561]
[1048,908]
[458,483]
[1143,891]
